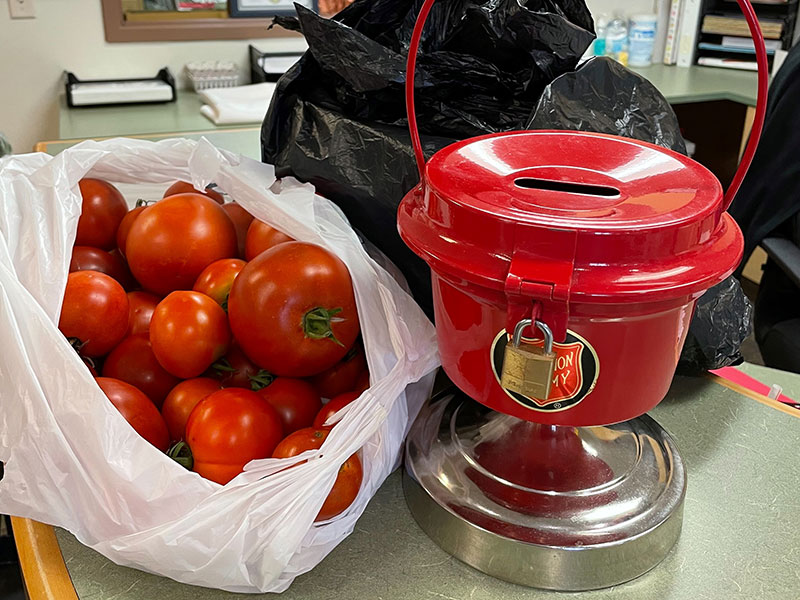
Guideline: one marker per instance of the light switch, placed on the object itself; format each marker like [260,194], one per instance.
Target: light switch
[21,9]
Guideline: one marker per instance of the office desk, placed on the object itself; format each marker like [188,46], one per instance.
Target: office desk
[679,85]
[739,539]
[181,116]
[241,140]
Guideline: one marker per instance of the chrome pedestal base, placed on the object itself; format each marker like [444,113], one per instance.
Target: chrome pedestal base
[560,508]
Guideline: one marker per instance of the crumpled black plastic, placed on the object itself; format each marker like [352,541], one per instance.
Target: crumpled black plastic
[605,97]
[722,320]
[337,118]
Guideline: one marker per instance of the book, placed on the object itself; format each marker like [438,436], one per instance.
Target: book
[737,26]
[662,10]
[687,35]
[730,41]
[727,63]
[733,49]
[671,46]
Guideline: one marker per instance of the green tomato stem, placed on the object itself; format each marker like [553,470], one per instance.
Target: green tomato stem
[317,323]
[223,366]
[181,454]
[261,380]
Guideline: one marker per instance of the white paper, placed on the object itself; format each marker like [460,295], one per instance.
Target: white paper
[237,105]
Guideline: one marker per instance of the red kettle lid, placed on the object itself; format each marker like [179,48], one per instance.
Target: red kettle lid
[610,218]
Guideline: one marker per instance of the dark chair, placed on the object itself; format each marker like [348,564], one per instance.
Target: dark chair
[767,209]
[777,309]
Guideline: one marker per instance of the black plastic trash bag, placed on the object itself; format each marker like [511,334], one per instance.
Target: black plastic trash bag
[722,320]
[605,97]
[338,119]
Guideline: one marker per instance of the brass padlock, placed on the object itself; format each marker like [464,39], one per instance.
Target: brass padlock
[528,369]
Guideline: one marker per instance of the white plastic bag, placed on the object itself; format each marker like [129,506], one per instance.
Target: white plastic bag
[72,460]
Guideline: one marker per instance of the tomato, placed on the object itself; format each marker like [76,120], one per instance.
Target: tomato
[241,221]
[142,306]
[292,310]
[183,187]
[334,406]
[137,409]
[296,401]
[182,399]
[94,312]
[189,331]
[102,209]
[342,376]
[236,370]
[261,237]
[217,278]
[86,258]
[228,429]
[133,361]
[348,481]
[173,240]
[362,383]
[127,222]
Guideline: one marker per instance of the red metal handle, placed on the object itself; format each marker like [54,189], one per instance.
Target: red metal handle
[761,102]
[758,122]
[411,66]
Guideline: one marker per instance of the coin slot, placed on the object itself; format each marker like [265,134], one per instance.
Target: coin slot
[568,187]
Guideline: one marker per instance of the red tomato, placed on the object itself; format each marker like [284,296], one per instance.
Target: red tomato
[348,481]
[183,187]
[142,306]
[137,409]
[334,406]
[102,209]
[261,237]
[95,312]
[292,310]
[133,361]
[236,370]
[228,429]
[241,221]
[125,226]
[342,376]
[296,401]
[182,399]
[86,258]
[362,383]
[217,278]
[189,331]
[171,242]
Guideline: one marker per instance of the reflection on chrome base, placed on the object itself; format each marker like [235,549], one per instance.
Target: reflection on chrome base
[561,508]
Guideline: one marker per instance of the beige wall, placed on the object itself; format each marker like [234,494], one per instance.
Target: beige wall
[623,7]
[68,35]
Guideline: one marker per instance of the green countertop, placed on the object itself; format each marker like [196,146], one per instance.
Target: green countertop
[681,85]
[245,141]
[790,382]
[678,84]
[181,116]
[739,539]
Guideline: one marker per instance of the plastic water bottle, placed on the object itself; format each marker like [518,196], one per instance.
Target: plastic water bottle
[600,27]
[642,40]
[617,40]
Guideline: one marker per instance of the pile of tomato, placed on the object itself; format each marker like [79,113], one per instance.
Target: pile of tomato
[215,335]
